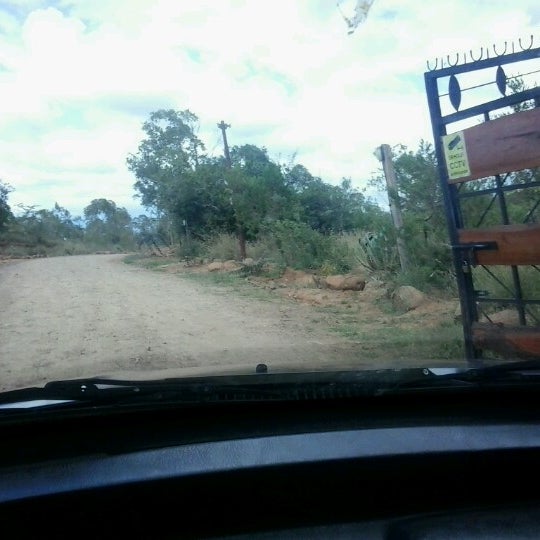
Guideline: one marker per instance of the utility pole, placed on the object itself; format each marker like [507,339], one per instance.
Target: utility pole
[241,233]
[223,126]
[384,155]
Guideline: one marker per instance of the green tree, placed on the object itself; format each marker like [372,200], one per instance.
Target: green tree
[201,201]
[107,223]
[331,208]
[145,229]
[297,177]
[64,224]
[258,193]
[205,196]
[5,210]
[38,226]
[169,150]
[202,194]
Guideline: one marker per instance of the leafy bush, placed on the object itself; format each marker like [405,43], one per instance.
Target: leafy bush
[371,252]
[300,247]
[221,246]
[264,248]
[190,248]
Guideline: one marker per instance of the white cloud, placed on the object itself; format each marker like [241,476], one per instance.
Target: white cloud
[80,76]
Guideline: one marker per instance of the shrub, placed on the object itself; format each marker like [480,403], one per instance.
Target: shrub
[190,248]
[221,246]
[301,247]
[264,248]
[370,253]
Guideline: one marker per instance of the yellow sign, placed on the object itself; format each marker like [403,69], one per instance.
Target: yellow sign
[455,154]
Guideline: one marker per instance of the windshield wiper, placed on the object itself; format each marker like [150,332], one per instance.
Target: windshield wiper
[212,389]
[268,386]
[508,373]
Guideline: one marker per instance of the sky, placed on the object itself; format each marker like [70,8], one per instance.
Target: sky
[79,77]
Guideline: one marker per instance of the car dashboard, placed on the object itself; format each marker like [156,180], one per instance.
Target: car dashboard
[416,465]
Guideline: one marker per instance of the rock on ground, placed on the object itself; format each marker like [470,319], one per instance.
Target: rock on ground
[408,298]
[345,283]
[298,278]
[231,266]
[505,317]
[215,266]
[227,266]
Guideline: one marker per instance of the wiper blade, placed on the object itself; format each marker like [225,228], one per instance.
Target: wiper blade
[268,386]
[507,373]
[59,393]
[197,390]
[97,391]
[90,389]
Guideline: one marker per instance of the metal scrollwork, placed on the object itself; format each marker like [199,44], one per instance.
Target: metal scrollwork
[455,63]
[498,53]
[434,67]
[509,48]
[530,44]
[473,59]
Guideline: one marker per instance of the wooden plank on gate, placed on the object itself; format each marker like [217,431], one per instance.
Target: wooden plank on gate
[516,244]
[507,144]
[510,341]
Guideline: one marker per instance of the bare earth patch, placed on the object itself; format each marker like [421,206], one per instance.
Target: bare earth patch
[384,333]
[69,317]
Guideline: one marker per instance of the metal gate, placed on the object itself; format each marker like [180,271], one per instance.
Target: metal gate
[485,114]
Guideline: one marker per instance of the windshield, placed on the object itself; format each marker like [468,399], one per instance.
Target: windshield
[198,187]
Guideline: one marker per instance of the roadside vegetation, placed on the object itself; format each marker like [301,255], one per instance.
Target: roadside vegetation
[247,205]
[250,206]
[35,232]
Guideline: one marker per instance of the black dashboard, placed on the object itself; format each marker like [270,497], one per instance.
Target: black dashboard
[418,465]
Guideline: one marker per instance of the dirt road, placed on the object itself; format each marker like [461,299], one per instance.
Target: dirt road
[91,315]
